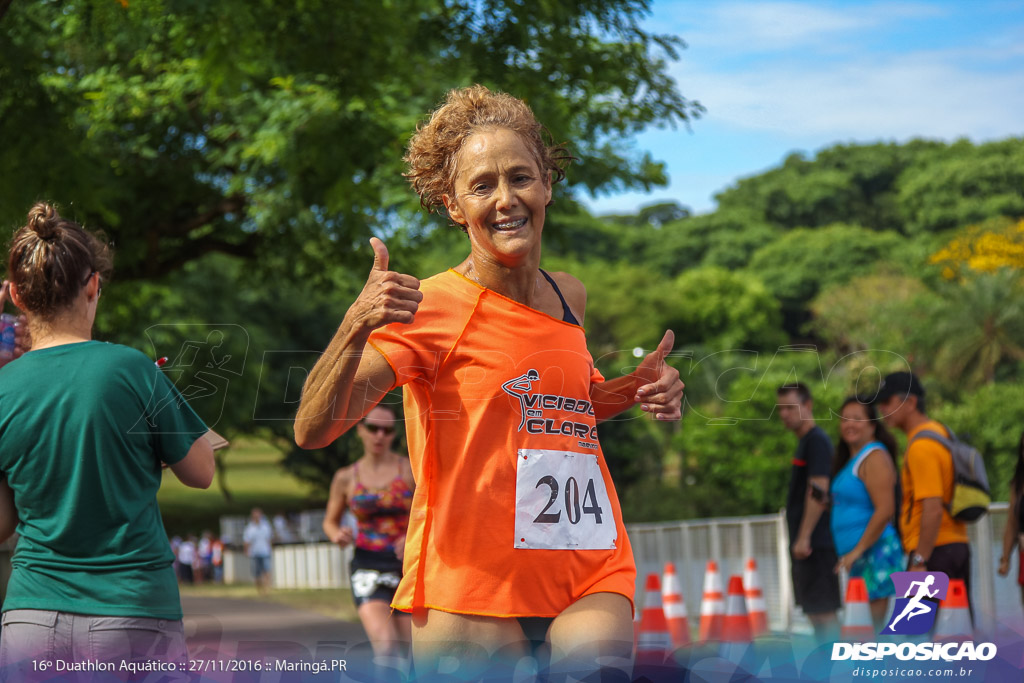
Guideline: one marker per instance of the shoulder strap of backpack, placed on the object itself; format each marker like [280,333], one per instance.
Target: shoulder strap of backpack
[934,436]
[945,443]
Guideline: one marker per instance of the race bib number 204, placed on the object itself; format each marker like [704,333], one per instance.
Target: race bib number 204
[562,502]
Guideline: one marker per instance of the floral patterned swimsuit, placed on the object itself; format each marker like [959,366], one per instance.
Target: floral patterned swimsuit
[382,516]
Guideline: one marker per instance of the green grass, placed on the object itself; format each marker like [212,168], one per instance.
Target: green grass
[253,477]
[331,602]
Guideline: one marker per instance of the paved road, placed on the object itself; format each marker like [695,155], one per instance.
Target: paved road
[240,631]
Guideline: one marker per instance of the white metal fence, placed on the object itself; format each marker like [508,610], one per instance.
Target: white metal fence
[730,541]
[311,565]
[302,527]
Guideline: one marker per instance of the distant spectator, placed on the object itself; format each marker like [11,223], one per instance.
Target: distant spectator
[204,551]
[175,544]
[217,559]
[22,341]
[936,542]
[864,503]
[258,536]
[186,560]
[1015,521]
[812,552]
[282,530]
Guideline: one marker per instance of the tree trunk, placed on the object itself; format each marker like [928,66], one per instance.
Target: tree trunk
[222,473]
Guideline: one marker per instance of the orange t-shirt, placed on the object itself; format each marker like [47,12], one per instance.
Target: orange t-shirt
[515,513]
[928,473]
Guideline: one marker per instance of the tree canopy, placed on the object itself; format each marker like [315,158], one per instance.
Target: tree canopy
[754,303]
[239,154]
[275,131]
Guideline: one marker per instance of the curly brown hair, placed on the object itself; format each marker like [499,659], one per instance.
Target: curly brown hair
[51,258]
[434,147]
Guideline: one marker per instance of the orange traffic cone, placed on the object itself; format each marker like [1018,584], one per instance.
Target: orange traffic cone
[756,607]
[736,624]
[954,620]
[675,608]
[712,604]
[857,624]
[653,642]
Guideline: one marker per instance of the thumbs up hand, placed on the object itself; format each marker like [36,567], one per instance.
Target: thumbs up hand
[661,391]
[387,296]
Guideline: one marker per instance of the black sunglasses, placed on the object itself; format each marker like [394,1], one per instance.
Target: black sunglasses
[375,429]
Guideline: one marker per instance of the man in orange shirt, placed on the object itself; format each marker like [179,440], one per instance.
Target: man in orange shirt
[934,540]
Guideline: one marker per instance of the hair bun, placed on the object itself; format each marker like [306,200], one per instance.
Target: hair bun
[44,220]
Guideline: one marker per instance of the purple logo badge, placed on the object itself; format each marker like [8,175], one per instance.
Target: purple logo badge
[914,613]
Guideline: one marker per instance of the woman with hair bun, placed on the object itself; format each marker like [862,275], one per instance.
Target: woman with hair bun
[515,533]
[85,430]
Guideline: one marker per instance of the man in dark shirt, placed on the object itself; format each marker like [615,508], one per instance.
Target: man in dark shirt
[812,552]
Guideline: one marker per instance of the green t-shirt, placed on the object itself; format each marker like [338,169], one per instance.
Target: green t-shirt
[84,429]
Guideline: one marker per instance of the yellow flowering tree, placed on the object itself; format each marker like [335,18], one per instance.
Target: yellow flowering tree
[983,248]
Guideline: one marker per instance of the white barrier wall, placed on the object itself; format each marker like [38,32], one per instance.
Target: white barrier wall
[297,565]
[731,540]
[237,567]
[311,565]
[689,544]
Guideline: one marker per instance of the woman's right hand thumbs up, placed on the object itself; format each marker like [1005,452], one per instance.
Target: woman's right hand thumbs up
[387,296]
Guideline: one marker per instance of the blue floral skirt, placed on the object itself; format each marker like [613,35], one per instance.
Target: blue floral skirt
[877,564]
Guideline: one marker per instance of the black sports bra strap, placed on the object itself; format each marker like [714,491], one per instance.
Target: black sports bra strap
[567,315]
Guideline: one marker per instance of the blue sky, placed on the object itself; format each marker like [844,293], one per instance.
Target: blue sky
[779,77]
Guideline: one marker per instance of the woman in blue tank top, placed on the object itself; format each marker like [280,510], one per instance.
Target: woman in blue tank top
[864,499]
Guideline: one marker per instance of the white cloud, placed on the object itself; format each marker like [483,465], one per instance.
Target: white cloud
[782,25]
[692,190]
[803,69]
[784,76]
[927,94]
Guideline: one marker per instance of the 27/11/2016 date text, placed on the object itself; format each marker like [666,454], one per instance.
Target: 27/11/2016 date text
[233,665]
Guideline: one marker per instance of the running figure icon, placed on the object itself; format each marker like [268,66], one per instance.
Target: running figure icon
[915,607]
[520,387]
